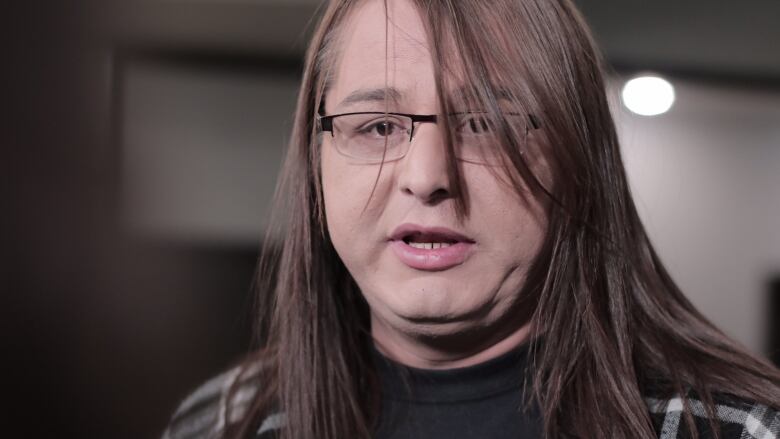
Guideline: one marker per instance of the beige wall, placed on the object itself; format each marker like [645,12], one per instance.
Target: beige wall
[706,180]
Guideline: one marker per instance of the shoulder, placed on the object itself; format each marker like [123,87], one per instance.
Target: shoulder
[736,418]
[221,400]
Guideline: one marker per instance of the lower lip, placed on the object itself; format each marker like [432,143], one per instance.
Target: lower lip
[436,259]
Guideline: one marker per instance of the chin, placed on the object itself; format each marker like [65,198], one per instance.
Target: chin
[432,305]
[424,295]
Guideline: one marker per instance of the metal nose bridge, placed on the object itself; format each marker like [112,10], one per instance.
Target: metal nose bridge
[421,118]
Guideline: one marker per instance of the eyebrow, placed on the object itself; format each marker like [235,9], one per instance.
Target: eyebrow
[392,94]
[372,95]
[466,93]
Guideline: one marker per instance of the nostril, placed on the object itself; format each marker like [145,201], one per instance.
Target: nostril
[428,196]
[438,194]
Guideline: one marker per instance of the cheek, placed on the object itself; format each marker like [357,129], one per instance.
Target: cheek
[538,157]
[514,223]
[346,191]
[339,196]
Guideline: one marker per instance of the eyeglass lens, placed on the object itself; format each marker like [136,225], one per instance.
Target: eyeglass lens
[374,137]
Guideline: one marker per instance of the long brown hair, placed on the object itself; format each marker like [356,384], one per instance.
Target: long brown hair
[614,326]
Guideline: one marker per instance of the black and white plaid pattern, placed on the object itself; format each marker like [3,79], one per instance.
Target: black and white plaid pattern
[737,419]
[203,413]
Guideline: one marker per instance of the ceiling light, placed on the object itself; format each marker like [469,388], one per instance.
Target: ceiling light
[648,95]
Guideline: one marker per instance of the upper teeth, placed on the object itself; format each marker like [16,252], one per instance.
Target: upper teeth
[429,245]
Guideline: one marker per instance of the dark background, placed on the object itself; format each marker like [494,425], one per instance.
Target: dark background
[106,326]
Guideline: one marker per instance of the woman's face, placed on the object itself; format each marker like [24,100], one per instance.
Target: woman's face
[475,281]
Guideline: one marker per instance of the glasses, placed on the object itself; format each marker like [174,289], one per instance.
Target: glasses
[374,137]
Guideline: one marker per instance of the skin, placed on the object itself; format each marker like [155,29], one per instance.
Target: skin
[458,317]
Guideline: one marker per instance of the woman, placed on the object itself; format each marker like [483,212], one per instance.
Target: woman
[461,255]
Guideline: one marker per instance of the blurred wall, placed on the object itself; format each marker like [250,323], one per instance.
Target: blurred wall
[705,180]
[201,148]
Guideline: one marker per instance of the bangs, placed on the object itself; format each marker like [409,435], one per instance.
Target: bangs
[479,63]
[495,60]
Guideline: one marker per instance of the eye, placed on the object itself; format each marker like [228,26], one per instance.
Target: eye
[384,128]
[381,128]
[475,124]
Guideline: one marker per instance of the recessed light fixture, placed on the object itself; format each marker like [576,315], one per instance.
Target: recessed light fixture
[648,95]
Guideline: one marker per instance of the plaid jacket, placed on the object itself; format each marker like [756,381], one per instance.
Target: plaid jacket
[203,415]
[737,419]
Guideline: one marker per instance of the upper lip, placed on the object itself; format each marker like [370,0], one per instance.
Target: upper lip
[435,234]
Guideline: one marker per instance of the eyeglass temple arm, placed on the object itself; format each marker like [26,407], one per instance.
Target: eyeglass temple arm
[326,122]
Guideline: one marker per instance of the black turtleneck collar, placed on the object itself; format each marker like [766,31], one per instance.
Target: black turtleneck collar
[498,375]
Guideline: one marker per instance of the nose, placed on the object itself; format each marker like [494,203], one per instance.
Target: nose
[423,170]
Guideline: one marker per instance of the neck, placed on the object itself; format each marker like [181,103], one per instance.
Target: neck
[446,351]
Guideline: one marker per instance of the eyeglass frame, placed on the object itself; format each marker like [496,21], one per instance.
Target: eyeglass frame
[326,122]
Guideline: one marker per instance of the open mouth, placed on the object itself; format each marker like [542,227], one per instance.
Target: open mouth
[430,249]
[428,241]
[420,236]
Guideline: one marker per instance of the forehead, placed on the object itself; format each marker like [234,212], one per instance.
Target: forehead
[378,48]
